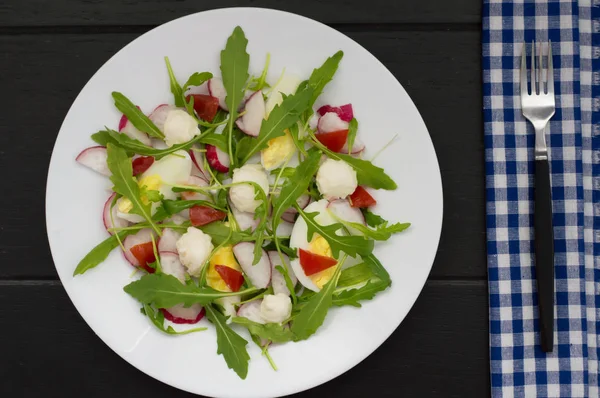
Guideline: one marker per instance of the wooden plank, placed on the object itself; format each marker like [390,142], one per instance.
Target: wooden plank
[44,73]
[439,350]
[156,12]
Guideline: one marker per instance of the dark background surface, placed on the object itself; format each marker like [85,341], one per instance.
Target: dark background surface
[48,51]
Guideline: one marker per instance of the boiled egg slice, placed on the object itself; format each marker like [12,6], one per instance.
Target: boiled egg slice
[279,150]
[223,256]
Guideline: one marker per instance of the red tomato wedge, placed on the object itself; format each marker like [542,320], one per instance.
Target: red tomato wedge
[314,263]
[202,215]
[334,141]
[142,164]
[205,106]
[144,253]
[361,198]
[232,277]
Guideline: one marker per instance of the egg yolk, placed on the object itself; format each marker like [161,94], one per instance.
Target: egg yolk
[223,256]
[149,183]
[278,150]
[320,246]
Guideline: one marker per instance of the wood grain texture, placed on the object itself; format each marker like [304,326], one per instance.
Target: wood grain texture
[155,12]
[54,353]
[44,73]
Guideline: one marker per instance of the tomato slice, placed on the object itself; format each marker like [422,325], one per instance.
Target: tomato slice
[144,253]
[334,141]
[202,215]
[361,198]
[314,263]
[205,106]
[232,277]
[141,164]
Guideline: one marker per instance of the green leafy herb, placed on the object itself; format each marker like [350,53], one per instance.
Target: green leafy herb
[197,79]
[286,172]
[288,281]
[280,118]
[372,219]
[381,232]
[219,232]
[125,184]
[359,273]
[351,245]
[229,344]
[99,253]
[234,70]
[158,319]
[377,268]
[261,81]
[353,296]
[295,133]
[218,140]
[175,87]
[274,332]
[352,129]
[323,75]
[166,291]
[135,116]
[171,207]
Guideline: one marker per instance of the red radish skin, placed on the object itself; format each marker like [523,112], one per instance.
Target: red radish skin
[144,254]
[251,120]
[203,215]
[330,122]
[141,164]
[168,241]
[108,219]
[232,277]
[127,128]
[182,315]
[334,141]
[198,164]
[217,90]
[259,273]
[206,106]
[345,112]
[95,158]
[314,263]
[217,159]
[362,198]
[251,311]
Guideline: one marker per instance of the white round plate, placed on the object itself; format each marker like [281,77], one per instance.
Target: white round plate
[75,196]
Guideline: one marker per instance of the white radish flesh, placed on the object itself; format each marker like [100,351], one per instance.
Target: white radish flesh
[260,273]
[143,236]
[171,265]
[217,90]
[159,115]
[132,132]
[95,158]
[198,161]
[168,240]
[244,219]
[109,216]
[181,315]
[277,278]
[290,214]
[254,113]
[357,147]
[251,311]
[217,159]
[331,122]
[284,229]
[341,209]
[196,182]
[201,89]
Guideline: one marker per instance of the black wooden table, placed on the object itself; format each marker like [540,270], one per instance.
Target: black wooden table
[48,51]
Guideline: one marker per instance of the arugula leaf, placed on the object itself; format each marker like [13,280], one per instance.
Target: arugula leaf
[218,140]
[382,231]
[99,253]
[351,245]
[234,70]
[313,313]
[171,207]
[135,116]
[280,118]
[353,296]
[219,232]
[158,319]
[166,291]
[354,275]
[229,344]
[352,129]
[323,75]
[287,172]
[103,137]
[125,184]
[274,332]
[377,268]
[372,219]
[197,79]
[175,87]
[261,81]
[295,134]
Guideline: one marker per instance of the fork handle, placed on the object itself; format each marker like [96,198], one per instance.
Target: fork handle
[544,253]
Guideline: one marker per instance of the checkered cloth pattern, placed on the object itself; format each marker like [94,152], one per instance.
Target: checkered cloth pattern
[519,368]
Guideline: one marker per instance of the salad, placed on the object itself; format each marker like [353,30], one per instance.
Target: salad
[242,202]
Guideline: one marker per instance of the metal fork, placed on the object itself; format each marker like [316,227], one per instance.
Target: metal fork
[538,108]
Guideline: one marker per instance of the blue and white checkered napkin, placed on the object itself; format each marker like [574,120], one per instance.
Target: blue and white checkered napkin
[518,366]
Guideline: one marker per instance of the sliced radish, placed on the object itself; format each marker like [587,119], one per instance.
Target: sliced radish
[95,158]
[168,240]
[343,210]
[357,147]
[110,214]
[251,311]
[244,219]
[181,315]
[159,115]
[251,120]
[313,122]
[201,89]
[143,236]
[175,219]
[277,278]
[132,132]
[284,229]
[217,159]
[196,182]
[331,122]
[228,303]
[198,164]
[345,112]
[171,265]
[260,273]
[217,89]
[157,143]
[290,214]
